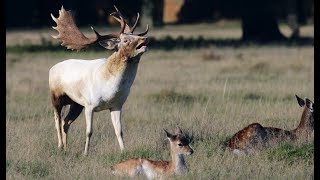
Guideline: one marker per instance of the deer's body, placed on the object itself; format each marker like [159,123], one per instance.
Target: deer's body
[95,85]
[150,168]
[179,146]
[92,83]
[256,137]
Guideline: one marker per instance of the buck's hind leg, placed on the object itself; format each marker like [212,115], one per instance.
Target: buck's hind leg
[74,111]
[57,117]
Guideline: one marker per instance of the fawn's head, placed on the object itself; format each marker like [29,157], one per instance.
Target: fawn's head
[125,42]
[179,143]
[308,113]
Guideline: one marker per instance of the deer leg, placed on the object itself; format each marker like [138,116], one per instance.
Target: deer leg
[57,119]
[89,115]
[74,112]
[57,107]
[116,121]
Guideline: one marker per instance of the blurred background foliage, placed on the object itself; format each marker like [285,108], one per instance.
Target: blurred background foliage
[259,19]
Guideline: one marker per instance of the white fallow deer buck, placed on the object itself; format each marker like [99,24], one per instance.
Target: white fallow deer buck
[98,84]
[256,137]
[179,146]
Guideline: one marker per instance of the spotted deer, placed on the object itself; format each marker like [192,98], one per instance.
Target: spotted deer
[96,85]
[256,137]
[179,146]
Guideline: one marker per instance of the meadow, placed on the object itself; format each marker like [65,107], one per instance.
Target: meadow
[210,92]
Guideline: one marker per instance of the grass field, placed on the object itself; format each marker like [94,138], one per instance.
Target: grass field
[209,92]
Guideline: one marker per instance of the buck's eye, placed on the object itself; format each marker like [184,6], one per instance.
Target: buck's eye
[125,41]
[180,144]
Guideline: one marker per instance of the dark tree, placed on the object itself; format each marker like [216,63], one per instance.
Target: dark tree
[193,11]
[152,12]
[258,20]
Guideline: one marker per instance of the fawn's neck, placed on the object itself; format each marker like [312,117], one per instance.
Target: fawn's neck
[304,128]
[178,164]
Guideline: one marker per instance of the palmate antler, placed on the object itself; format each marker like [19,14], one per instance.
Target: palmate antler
[128,29]
[72,37]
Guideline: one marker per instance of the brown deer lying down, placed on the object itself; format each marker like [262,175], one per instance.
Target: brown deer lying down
[95,85]
[179,146]
[256,137]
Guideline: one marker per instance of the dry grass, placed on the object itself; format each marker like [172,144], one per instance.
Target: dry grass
[209,99]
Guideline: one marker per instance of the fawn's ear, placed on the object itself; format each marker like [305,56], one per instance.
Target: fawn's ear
[169,136]
[309,103]
[178,131]
[300,101]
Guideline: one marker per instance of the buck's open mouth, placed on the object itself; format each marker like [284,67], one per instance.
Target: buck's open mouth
[142,44]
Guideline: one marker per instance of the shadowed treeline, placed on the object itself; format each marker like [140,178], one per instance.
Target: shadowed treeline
[167,43]
[259,19]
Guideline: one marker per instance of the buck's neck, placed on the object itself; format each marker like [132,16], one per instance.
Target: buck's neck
[118,64]
[178,165]
[304,127]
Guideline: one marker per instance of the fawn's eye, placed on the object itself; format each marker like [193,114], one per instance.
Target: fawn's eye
[125,41]
[180,144]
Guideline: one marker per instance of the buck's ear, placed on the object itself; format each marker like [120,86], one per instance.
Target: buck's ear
[111,44]
[300,101]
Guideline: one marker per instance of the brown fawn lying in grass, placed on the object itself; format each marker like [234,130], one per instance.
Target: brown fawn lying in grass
[256,137]
[179,146]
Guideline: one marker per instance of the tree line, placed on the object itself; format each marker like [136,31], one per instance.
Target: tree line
[259,18]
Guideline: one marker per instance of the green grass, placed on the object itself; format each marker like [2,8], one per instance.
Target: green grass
[170,96]
[293,153]
[209,99]
[33,169]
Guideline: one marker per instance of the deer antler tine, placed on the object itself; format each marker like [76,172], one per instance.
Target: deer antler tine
[116,8]
[54,18]
[122,22]
[118,11]
[135,24]
[97,34]
[115,16]
[145,32]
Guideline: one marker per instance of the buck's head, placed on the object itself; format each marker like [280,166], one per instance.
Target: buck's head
[125,42]
[308,113]
[179,143]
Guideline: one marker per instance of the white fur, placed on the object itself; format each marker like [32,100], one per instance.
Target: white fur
[96,91]
[148,171]
[239,152]
[84,83]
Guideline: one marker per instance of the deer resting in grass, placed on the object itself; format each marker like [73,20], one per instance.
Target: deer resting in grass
[255,136]
[98,84]
[179,146]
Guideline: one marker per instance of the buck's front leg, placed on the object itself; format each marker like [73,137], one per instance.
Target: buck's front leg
[116,121]
[89,116]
